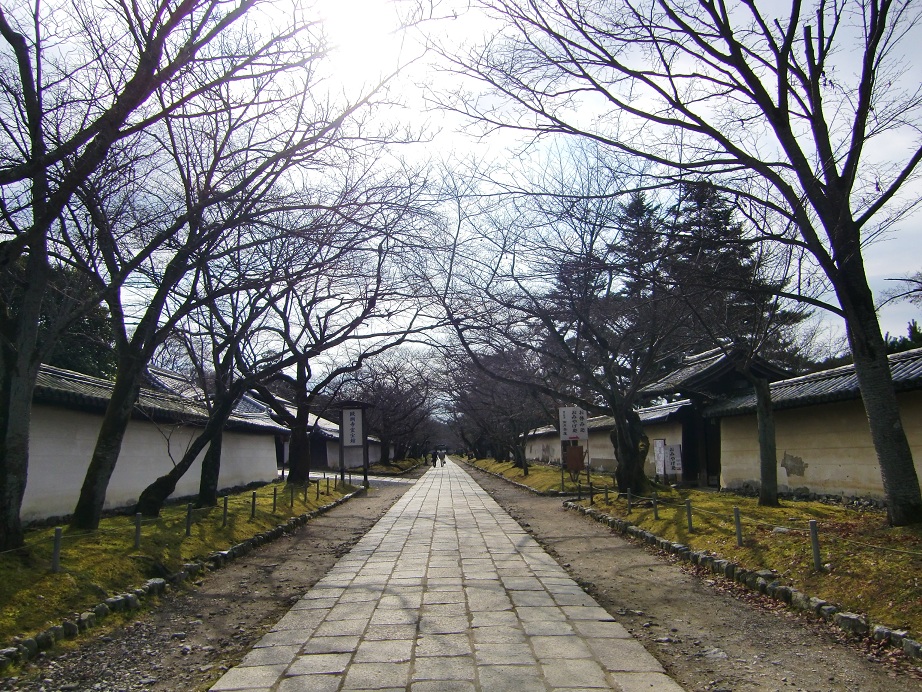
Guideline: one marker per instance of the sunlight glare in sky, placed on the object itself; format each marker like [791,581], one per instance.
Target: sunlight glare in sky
[363,37]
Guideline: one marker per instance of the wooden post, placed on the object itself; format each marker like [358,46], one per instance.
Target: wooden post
[739,527]
[224,518]
[655,507]
[253,506]
[275,498]
[630,504]
[189,519]
[688,514]
[815,542]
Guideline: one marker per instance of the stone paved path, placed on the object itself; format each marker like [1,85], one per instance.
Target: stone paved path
[445,593]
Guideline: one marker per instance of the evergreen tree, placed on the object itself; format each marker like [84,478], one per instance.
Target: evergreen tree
[86,343]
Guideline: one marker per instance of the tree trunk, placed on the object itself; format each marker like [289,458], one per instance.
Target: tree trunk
[108,443]
[518,453]
[16,387]
[385,450]
[19,364]
[153,496]
[631,445]
[897,470]
[299,453]
[768,454]
[211,471]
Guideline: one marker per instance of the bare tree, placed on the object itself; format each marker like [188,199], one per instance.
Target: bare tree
[545,276]
[362,303]
[492,409]
[77,79]
[398,388]
[784,111]
[227,354]
[242,179]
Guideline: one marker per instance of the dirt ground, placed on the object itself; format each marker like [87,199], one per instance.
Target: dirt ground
[706,632]
[197,633]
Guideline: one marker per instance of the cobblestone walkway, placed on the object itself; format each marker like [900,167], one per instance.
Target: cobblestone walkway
[446,593]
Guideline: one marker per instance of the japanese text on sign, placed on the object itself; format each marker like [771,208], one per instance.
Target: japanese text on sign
[352,428]
[573,423]
[673,459]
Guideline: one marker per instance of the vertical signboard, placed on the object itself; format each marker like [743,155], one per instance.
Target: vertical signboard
[352,428]
[659,456]
[673,460]
[573,424]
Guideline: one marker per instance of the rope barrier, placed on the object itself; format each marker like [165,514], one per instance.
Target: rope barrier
[238,502]
[750,521]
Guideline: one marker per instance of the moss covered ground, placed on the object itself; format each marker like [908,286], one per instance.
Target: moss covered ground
[95,565]
[394,468]
[868,566]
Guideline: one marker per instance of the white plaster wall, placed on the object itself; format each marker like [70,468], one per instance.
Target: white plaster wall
[671,431]
[545,448]
[352,456]
[62,442]
[832,444]
[601,450]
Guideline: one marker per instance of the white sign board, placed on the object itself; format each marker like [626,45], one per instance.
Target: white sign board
[673,459]
[573,424]
[351,432]
[659,456]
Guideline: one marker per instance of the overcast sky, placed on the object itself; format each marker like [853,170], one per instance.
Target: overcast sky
[367,46]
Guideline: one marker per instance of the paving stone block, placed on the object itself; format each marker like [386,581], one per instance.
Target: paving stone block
[444,668]
[443,645]
[559,647]
[510,678]
[377,675]
[309,664]
[249,678]
[624,655]
[385,651]
[582,674]
[331,645]
[601,629]
[262,656]
[645,682]
[311,683]
[510,654]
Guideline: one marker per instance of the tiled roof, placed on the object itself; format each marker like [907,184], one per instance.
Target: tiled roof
[650,414]
[74,390]
[692,368]
[699,369]
[838,384]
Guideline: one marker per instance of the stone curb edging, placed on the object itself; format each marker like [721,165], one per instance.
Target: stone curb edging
[764,582]
[24,649]
[542,493]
